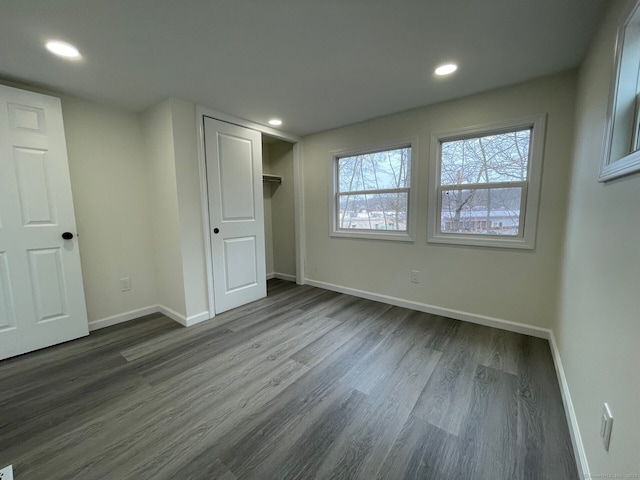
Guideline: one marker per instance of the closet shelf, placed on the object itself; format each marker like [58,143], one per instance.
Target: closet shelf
[271,178]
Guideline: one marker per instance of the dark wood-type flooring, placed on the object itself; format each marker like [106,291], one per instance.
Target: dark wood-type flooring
[306,383]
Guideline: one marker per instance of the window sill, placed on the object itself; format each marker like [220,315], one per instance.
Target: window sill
[493,241]
[373,235]
[625,166]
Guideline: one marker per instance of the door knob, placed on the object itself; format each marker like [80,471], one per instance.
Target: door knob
[67,235]
[216,230]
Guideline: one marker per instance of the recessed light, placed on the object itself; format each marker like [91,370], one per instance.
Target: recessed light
[446,69]
[62,49]
[275,122]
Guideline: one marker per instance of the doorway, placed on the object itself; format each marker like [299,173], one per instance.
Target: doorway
[279,208]
[287,150]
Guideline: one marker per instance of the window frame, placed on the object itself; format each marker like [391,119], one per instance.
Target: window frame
[530,188]
[392,235]
[620,121]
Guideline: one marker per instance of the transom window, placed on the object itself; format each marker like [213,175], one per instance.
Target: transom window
[486,182]
[372,193]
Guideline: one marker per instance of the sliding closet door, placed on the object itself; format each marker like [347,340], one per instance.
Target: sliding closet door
[236,216]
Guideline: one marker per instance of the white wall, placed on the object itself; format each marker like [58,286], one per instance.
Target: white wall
[111,193]
[514,285]
[282,209]
[161,168]
[187,170]
[598,329]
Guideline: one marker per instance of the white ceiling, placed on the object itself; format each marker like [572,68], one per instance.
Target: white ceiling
[317,64]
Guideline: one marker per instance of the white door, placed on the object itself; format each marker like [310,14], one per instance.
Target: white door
[41,294]
[236,216]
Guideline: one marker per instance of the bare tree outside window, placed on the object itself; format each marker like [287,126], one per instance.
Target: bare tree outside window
[483,183]
[373,190]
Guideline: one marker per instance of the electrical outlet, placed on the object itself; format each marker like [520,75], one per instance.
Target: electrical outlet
[6,473]
[125,284]
[606,424]
[415,276]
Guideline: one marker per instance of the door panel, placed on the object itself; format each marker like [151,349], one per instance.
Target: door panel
[236,178]
[25,118]
[240,258]
[34,186]
[47,283]
[7,311]
[41,293]
[233,157]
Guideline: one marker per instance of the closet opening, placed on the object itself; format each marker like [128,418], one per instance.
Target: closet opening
[279,208]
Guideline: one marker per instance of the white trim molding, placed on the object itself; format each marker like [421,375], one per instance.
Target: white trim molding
[122,317]
[281,276]
[436,310]
[141,312]
[572,420]
[284,276]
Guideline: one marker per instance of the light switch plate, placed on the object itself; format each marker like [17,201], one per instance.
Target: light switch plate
[6,473]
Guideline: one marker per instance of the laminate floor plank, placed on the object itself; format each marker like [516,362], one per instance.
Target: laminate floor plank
[503,351]
[488,440]
[446,397]
[222,381]
[258,370]
[383,361]
[275,310]
[307,442]
[373,432]
[46,367]
[544,437]
[422,451]
[303,384]
[378,323]
[45,412]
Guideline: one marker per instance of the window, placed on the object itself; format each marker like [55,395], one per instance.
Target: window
[621,155]
[485,184]
[372,195]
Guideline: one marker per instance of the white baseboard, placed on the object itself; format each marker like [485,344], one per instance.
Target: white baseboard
[122,317]
[281,276]
[173,315]
[435,310]
[285,276]
[141,312]
[198,318]
[572,421]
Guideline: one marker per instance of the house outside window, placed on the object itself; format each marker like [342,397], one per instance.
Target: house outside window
[485,184]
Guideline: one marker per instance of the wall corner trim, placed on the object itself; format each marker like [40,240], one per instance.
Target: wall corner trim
[574,429]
